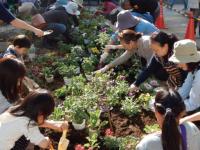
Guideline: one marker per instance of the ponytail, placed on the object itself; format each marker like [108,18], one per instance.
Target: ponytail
[169,104]
[171,138]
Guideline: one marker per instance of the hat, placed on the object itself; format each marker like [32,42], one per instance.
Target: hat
[185,51]
[72,8]
[78,2]
[126,20]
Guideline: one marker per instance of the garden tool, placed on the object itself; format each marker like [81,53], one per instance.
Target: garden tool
[48,32]
[64,142]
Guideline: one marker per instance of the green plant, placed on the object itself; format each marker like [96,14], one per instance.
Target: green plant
[151,128]
[129,107]
[61,92]
[144,99]
[66,48]
[47,71]
[127,143]
[111,142]
[92,140]
[102,39]
[88,64]
[58,113]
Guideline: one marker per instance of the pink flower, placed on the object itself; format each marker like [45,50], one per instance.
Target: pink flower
[109,132]
[79,147]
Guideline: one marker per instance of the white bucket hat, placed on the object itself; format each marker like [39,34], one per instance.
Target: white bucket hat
[185,51]
[72,8]
[78,2]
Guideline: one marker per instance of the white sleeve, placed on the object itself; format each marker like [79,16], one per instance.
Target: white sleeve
[34,135]
[187,85]
[193,102]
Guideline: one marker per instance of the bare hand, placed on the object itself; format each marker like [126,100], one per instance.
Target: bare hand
[133,88]
[39,33]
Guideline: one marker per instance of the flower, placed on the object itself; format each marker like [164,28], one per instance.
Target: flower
[79,147]
[95,50]
[109,132]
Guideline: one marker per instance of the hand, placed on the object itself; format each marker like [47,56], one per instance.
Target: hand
[110,47]
[39,33]
[61,126]
[133,88]
[103,70]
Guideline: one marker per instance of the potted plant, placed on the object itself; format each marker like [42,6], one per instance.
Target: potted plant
[78,117]
[48,74]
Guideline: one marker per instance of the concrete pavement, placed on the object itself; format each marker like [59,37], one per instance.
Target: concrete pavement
[177,23]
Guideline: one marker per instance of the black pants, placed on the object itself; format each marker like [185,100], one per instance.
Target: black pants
[21,144]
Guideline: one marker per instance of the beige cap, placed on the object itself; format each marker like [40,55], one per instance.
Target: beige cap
[185,51]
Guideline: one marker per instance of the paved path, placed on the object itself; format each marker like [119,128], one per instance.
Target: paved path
[177,23]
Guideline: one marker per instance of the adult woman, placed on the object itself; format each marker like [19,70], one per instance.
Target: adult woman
[169,108]
[187,58]
[162,45]
[11,76]
[126,20]
[133,43]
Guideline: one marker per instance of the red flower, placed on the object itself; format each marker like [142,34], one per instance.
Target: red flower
[109,132]
[79,147]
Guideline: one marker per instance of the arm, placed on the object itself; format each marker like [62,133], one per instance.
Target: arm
[147,72]
[55,125]
[23,25]
[192,118]
[193,102]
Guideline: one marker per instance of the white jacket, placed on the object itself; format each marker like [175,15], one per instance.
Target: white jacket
[190,91]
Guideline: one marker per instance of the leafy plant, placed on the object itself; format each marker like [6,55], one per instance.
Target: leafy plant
[88,64]
[66,48]
[144,99]
[151,128]
[61,92]
[103,39]
[92,140]
[129,107]
[47,71]
[58,113]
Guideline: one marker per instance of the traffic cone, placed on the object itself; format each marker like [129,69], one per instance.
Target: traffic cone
[160,23]
[190,28]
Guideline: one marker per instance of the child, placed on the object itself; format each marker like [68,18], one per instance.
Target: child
[11,75]
[19,48]
[25,119]
[169,108]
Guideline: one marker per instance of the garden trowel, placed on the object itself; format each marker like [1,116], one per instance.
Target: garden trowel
[64,142]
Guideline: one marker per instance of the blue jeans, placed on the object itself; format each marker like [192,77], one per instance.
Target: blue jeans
[57,28]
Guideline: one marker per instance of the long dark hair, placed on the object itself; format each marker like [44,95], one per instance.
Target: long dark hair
[170,104]
[39,102]
[193,66]
[129,35]
[163,38]
[12,72]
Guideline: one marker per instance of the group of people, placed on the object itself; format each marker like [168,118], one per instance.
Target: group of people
[174,62]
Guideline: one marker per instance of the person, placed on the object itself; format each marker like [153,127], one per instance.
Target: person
[194,7]
[108,6]
[187,57]
[27,7]
[185,2]
[162,45]
[54,21]
[8,17]
[125,20]
[19,48]
[133,43]
[25,119]
[125,4]
[11,76]
[168,109]
[194,117]
[143,6]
